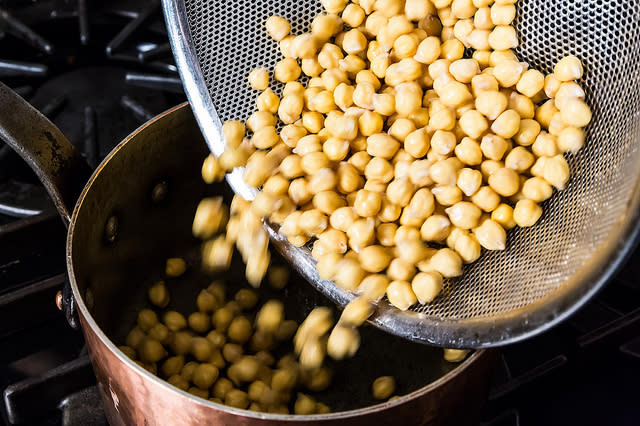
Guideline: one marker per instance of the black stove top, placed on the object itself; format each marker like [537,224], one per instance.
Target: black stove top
[99,71]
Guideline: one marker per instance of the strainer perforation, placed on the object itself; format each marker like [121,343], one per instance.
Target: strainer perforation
[578,224]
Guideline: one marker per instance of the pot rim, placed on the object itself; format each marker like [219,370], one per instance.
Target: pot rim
[95,328]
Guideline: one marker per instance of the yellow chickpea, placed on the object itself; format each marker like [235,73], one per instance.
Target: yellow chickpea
[568,69]
[556,171]
[401,295]
[526,213]
[503,215]
[507,124]
[259,78]
[519,159]
[447,195]
[464,215]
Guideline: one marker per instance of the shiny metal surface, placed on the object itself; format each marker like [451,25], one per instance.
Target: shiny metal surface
[39,142]
[548,271]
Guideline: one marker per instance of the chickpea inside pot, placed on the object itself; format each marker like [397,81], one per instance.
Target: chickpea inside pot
[348,383]
[128,299]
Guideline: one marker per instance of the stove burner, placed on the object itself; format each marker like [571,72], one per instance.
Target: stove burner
[87,70]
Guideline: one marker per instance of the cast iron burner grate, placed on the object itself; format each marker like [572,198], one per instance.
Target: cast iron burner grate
[89,68]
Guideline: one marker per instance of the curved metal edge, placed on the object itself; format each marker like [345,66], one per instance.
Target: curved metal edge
[46,150]
[478,333]
[195,88]
[95,328]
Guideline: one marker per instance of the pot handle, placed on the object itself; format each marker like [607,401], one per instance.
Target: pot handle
[48,152]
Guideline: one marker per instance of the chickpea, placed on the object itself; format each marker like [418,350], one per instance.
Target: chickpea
[313,353]
[151,350]
[455,94]
[447,195]
[221,387]
[221,319]
[323,27]
[401,128]
[435,228]
[216,338]
[491,103]
[503,215]
[343,342]
[526,213]
[545,113]
[529,131]
[259,78]
[147,319]
[373,287]
[285,330]
[401,295]
[568,69]
[367,203]
[135,337]
[232,352]
[270,316]
[576,113]
[473,124]
[212,171]
[400,270]
[353,15]
[567,91]
[426,286]
[349,274]
[405,46]
[570,139]
[464,214]
[202,393]
[556,171]
[519,159]
[199,322]
[304,405]
[237,399]
[374,258]
[379,169]
[419,173]
[486,198]
[179,382]
[354,42]
[416,10]
[382,145]
[455,355]
[175,267]
[313,222]
[503,14]
[447,262]
[504,181]
[188,369]
[531,82]
[469,152]
[201,348]
[277,27]
[370,123]
[479,39]
[278,277]
[205,375]
[268,101]
[467,246]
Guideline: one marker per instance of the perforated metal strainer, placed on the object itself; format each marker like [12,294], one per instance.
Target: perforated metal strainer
[548,271]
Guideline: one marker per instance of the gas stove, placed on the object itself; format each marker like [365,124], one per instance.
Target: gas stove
[98,72]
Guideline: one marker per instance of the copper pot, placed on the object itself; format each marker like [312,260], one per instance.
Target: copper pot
[134,212]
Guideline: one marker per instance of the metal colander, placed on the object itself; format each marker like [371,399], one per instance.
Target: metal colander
[547,271]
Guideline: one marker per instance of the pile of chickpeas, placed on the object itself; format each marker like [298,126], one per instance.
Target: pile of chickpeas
[401,158]
[225,351]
